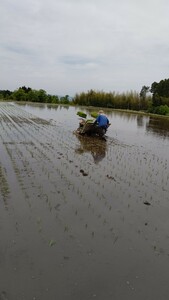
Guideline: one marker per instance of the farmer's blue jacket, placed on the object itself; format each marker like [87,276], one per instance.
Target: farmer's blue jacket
[102,121]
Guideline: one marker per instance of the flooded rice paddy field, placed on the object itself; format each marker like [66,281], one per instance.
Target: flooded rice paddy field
[82,218]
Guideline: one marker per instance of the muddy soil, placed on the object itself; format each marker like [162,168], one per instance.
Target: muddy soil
[80,218]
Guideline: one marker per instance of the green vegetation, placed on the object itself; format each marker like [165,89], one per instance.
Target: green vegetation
[160,92]
[157,103]
[154,99]
[94,114]
[30,95]
[81,114]
[130,100]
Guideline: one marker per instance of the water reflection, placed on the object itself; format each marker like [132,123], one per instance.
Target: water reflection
[158,126]
[123,123]
[127,116]
[140,121]
[51,106]
[96,146]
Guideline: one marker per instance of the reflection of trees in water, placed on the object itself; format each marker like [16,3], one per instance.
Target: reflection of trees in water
[61,106]
[140,121]
[96,146]
[52,106]
[158,126]
[110,113]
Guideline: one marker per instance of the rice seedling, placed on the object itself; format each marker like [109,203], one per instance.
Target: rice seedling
[52,243]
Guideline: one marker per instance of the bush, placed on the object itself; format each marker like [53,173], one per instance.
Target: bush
[159,110]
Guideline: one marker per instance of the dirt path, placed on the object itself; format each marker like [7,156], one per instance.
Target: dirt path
[77,226]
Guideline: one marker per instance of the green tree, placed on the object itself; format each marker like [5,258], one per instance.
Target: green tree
[32,96]
[25,89]
[145,89]
[65,99]
[54,99]
[143,94]
[42,96]
[19,95]
[5,94]
[160,92]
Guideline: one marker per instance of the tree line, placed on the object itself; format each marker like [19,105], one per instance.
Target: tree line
[153,99]
[31,95]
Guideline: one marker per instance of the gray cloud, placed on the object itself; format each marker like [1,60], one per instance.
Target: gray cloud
[71,46]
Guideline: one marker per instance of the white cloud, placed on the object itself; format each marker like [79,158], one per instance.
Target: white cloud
[69,46]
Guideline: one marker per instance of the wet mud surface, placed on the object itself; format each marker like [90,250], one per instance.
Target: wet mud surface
[80,218]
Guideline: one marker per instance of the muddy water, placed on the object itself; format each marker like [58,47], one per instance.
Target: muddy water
[82,218]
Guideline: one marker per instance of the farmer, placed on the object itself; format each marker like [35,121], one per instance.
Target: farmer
[102,120]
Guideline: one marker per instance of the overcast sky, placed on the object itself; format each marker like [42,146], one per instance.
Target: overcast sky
[71,46]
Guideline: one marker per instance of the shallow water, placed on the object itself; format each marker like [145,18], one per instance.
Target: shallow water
[128,128]
[82,218]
